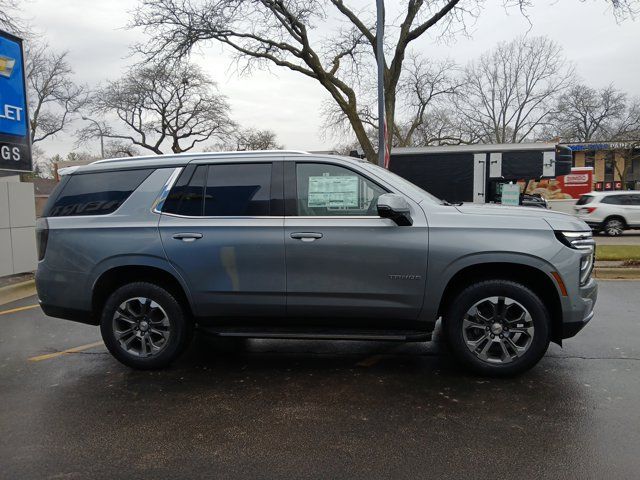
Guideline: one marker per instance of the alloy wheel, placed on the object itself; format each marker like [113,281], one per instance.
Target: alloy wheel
[498,330]
[141,327]
[614,227]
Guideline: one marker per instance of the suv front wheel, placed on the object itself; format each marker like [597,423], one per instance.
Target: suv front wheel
[144,326]
[497,328]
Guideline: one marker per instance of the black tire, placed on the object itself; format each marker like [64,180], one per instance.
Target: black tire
[453,326]
[614,226]
[179,326]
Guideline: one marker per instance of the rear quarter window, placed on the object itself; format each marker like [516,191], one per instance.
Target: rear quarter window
[97,193]
[584,199]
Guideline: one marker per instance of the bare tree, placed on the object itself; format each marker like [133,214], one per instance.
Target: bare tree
[53,96]
[120,148]
[444,126]
[511,91]
[244,139]
[584,114]
[426,89]
[626,127]
[284,33]
[288,34]
[162,105]
[10,19]
[425,86]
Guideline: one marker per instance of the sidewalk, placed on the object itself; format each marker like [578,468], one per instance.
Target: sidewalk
[16,287]
[617,269]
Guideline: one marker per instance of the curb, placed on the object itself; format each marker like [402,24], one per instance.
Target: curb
[617,273]
[18,291]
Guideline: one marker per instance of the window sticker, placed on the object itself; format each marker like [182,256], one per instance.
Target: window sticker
[337,192]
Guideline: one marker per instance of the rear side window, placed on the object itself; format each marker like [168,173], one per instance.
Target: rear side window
[238,190]
[187,196]
[584,199]
[98,193]
[615,200]
[223,190]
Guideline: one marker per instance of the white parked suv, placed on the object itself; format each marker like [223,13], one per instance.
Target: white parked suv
[610,212]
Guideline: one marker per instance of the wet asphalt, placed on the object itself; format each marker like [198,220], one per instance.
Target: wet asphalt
[298,409]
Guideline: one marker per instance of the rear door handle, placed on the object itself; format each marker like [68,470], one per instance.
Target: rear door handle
[187,237]
[306,236]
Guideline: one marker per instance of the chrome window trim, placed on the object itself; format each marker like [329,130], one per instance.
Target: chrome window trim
[164,193]
[331,217]
[221,217]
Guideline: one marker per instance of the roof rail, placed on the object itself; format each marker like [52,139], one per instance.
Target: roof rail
[206,154]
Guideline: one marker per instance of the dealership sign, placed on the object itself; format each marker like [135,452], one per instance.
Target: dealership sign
[15,144]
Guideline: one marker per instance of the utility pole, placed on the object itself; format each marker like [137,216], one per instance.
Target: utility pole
[380,58]
[101,134]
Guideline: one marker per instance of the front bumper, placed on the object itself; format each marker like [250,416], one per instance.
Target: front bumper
[580,312]
[593,224]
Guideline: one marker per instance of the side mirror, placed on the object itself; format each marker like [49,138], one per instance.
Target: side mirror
[395,207]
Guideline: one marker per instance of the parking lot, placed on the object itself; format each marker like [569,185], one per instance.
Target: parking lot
[294,409]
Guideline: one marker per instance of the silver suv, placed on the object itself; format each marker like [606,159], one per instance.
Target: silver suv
[294,245]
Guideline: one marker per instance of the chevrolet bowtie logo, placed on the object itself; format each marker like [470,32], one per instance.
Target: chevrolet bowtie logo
[6,66]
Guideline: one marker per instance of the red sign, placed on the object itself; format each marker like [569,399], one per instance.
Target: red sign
[577,183]
[618,185]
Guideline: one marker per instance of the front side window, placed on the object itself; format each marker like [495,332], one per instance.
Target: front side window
[331,190]
[97,193]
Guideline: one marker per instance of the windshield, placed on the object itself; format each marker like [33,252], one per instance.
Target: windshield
[403,182]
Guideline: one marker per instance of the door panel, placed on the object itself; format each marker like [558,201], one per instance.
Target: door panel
[236,267]
[358,268]
[343,261]
[222,230]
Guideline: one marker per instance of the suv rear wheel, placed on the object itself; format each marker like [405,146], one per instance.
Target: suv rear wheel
[144,326]
[613,226]
[497,328]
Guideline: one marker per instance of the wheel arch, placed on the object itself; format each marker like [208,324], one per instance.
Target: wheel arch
[116,276]
[615,215]
[541,283]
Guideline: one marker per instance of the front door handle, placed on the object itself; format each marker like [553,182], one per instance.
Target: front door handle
[187,237]
[306,236]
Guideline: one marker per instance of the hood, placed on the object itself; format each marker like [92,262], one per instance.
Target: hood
[556,220]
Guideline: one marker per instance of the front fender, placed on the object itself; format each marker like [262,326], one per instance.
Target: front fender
[437,281]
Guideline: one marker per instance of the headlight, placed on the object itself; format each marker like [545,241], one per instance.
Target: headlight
[584,242]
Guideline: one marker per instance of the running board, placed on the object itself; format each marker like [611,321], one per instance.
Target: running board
[319,333]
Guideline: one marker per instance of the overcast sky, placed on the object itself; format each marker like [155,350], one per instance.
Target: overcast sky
[602,50]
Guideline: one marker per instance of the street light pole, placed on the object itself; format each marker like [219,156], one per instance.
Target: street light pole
[101,134]
[380,59]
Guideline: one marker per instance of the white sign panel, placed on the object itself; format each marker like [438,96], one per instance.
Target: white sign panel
[338,192]
[511,194]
